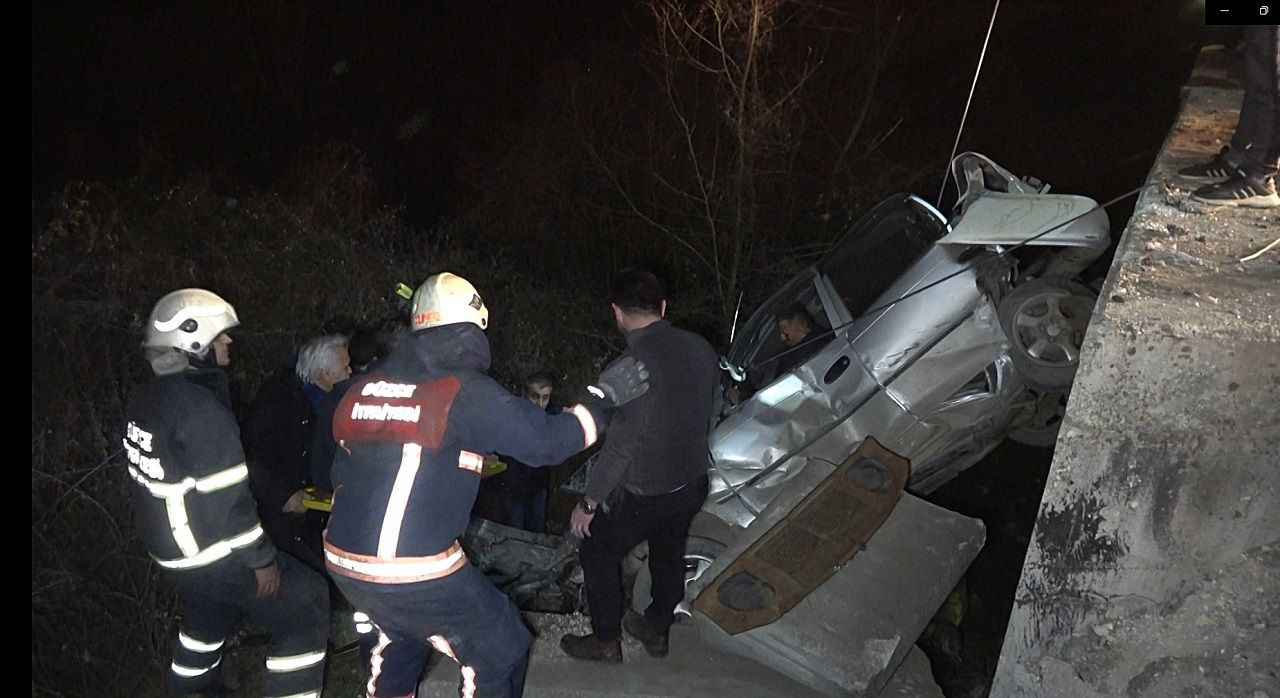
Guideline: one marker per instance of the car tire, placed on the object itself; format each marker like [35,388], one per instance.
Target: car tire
[1045,322]
[1040,429]
[699,553]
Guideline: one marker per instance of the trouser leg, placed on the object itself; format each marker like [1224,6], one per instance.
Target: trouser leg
[202,633]
[395,664]
[297,618]
[613,534]
[464,616]
[488,640]
[668,533]
[1255,145]
[535,511]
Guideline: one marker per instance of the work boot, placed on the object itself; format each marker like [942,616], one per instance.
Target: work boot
[638,625]
[1216,169]
[1244,189]
[592,648]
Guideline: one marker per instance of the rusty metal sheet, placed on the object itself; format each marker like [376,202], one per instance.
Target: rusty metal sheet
[810,544]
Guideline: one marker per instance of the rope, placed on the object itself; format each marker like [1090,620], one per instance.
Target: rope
[967,102]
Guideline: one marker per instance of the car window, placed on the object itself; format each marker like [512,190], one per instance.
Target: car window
[758,345]
[863,264]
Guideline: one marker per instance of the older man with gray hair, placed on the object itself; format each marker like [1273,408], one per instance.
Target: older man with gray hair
[324,361]
[288,438]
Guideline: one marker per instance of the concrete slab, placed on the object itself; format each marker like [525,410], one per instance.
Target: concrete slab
[1153,568]
[850,635]
[693,669]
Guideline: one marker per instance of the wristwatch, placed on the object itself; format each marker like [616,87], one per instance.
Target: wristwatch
[587,508]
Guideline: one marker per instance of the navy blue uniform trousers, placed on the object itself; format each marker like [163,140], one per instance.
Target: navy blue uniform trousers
[462,615]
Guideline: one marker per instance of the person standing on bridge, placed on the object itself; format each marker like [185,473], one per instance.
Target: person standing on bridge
[1248,166]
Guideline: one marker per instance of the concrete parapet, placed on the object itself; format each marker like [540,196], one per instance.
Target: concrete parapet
[1154,565]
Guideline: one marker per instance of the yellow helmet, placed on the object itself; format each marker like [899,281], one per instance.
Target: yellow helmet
[444,299]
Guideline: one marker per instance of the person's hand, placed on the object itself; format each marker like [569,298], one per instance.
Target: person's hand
[733,395]
[294,504]
[621,382]
[580,519]
[268,580]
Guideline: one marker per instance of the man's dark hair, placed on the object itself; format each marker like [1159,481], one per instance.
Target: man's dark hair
[796,312]
[637,291]
[340,324]
[539,378]
[363,347]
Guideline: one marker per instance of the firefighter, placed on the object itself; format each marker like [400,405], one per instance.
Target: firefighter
[412,439]
[196,516]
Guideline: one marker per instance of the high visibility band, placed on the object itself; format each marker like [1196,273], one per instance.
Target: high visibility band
[360,617]
[294,662]
[468,673]
[246,538]
[217,481]
[364,628]
[164,490]
[214,552]
[442,646]
[470,461]
[389,536]
[209,483]
[589,430]
[400,570]
[197,646]
[468,680]
[188,672]
[180,526]
[308,694]
[375,665]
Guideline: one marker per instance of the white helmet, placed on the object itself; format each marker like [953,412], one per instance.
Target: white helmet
[444,299]
[189,320]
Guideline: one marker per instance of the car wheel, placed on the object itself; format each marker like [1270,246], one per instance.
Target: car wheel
[1044,419]
[1045,321]
[699,553]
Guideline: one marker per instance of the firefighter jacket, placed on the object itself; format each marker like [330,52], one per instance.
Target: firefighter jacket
[412,438]
[191,502]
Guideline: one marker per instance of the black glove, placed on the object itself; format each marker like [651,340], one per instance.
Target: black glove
[621,382]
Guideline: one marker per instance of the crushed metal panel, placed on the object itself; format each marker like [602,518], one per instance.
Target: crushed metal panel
[1012,219]
[809,544]
[851,634]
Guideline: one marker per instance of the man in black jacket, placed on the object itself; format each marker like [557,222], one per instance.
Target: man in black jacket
[288,438]
[650,477]
[195,514]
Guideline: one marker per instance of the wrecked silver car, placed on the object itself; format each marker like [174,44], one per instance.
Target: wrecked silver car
[939,337]
[935,339]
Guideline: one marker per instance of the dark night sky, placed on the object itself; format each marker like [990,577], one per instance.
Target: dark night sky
[243,88]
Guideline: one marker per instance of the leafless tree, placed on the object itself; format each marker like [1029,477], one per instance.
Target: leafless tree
[754,110]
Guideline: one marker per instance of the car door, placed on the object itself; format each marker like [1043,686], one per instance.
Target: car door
[818,412]
[923,328]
